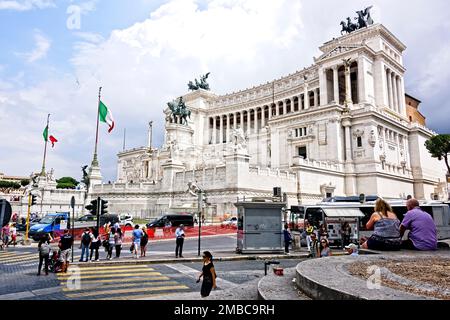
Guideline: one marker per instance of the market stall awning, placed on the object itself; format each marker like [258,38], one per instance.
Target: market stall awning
[343,212]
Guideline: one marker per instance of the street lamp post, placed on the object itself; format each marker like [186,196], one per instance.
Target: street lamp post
[194,190]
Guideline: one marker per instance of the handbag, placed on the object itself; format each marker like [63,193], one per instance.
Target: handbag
[105,243]
[132,247]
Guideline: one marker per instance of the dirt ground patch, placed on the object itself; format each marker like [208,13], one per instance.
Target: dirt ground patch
[425,273]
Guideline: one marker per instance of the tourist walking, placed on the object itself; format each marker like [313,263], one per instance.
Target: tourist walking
[44,252]
[118,242]
[345,232]
[111,243]
[179,235]
[315,247]
[325,248]
[5,235]
[84,244]
[309,230]
[287,238]
[144,241]
[95,243]
[384,222]
[13,232]
[137,235]
[208,274]
[422,229]
[65,244]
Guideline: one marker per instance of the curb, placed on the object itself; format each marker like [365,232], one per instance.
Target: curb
[184,260]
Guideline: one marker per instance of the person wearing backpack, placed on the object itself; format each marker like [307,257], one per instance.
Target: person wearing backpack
[111,243]
[144,241]
[44,253]
[84,245]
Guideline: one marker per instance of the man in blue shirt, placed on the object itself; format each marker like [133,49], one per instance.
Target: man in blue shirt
[137,235]
[179,234]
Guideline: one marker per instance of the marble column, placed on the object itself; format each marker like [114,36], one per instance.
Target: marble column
[248,121]
[348,87]
[242,121]
[348,143]
[336,84]
[255,128]
[227,131]
[323,85]
[402,96]
[270,111]
[361,81]
[214,133]
[316,100]
[306,96]
[395,92]
[277,109]
[284,106]
[390,93]
[263,117]
[221,130]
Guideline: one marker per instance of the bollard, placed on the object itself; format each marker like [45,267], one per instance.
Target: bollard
[266,263]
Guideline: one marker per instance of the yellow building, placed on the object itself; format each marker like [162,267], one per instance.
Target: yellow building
[412,110]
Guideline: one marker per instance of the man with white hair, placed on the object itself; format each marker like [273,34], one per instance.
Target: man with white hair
[422,229]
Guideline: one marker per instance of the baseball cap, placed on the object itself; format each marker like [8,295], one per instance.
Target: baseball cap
[352,246]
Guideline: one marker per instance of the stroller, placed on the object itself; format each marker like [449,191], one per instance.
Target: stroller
[55,265]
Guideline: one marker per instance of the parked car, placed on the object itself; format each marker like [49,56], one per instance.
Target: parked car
[175,219]
[52,223]
[230,222]
[126,220]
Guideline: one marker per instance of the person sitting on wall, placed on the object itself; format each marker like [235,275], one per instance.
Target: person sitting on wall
[352,249]
[422,229]
[384,222]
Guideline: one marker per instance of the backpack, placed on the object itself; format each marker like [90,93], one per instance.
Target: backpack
[86,239]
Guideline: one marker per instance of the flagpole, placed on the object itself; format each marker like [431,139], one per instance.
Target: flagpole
[45,148]
[95,160]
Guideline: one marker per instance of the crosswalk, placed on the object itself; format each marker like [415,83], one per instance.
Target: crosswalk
[119,282]
[23,259]
[15,258]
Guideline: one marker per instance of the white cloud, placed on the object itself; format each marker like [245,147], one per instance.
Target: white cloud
[242,43]
[42,45]
[25,5]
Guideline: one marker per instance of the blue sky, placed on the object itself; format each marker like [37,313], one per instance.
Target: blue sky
[143,52]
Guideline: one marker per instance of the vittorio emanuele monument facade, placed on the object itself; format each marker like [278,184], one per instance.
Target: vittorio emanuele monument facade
[336,128]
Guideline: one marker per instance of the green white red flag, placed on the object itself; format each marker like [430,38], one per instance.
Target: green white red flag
[47,138]
[106,116]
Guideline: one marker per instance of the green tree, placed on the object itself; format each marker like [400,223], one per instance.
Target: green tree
[439,147]
[25,182]
[9,184]
[66,183]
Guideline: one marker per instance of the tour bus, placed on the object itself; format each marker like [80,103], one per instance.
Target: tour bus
[335,213]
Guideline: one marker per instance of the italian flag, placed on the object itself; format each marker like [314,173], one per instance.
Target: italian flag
[47,138]
[106,116]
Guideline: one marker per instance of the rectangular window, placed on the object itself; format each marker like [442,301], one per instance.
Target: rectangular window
[301,151]
[359,142]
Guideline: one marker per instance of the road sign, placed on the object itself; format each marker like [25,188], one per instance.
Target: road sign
[72,202]
[63,225]
[5,212]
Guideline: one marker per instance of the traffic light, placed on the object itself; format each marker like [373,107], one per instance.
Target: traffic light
[93,207]
[103,207]
[33,199]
